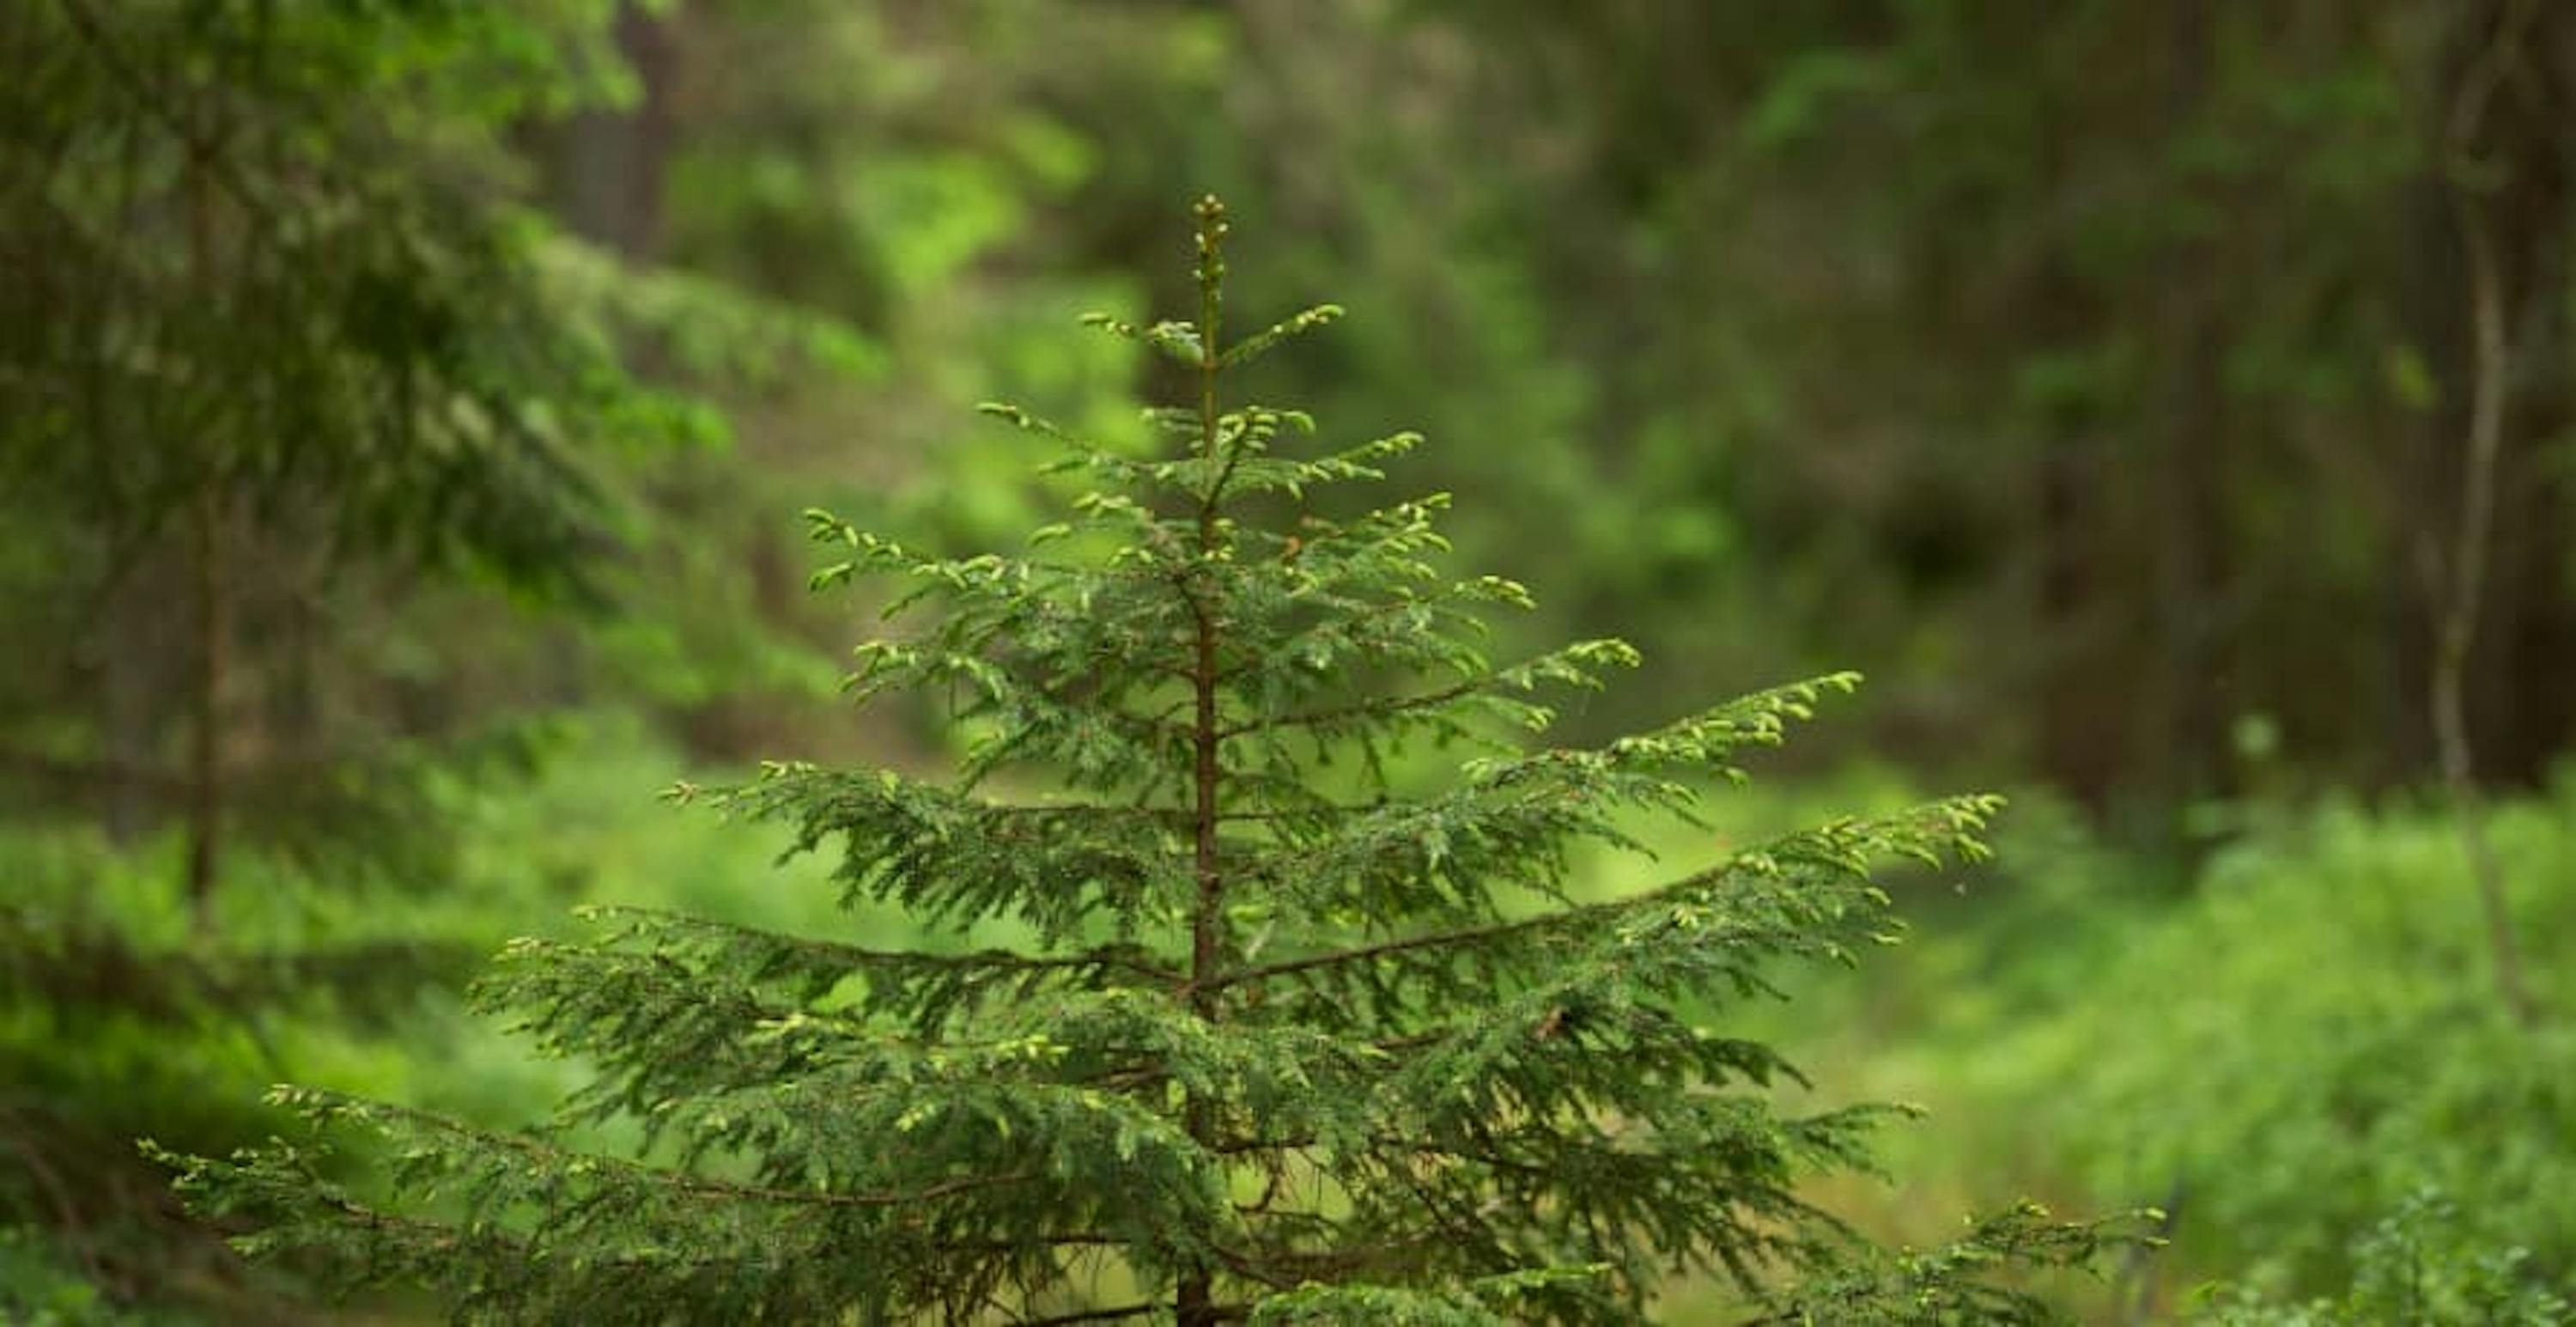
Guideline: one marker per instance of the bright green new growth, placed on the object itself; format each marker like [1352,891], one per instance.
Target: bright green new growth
[1286,1046]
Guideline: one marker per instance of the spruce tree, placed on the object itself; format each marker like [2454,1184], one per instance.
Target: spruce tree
[1289,1039]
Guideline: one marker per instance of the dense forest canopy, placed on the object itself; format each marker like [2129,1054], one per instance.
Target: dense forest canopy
[405,406]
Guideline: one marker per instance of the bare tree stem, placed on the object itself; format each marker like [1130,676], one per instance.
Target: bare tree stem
[2461,588]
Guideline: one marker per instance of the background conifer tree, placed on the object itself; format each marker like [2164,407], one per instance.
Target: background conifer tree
[1288,1040]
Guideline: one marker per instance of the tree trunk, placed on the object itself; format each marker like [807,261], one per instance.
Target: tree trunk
[2190,467]
[610,163]
[206,725]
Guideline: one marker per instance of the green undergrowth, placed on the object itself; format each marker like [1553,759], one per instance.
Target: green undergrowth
[2299,1055]
[2295,1047]
[116,1024]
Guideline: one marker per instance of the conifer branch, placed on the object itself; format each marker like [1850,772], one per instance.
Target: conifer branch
[1093,1315]
[1913,834]
[1367,709]
[394,1119]
[856,958]
[446,1239]
[1387,949]
[1569,666]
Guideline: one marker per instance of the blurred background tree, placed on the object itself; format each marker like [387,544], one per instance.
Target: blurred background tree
[394,386]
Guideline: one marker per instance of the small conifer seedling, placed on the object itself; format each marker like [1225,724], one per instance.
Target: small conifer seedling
[1288,1039]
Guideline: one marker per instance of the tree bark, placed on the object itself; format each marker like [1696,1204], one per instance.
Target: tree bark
[2460,576]
[610,163]
[206,725]
[2190,466]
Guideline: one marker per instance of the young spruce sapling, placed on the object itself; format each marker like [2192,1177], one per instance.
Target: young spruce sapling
[1287,1040]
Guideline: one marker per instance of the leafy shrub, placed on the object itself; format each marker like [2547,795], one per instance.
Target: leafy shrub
[2313,1036]
[2415,1267]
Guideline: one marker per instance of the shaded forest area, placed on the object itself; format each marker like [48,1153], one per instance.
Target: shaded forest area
[2171,406]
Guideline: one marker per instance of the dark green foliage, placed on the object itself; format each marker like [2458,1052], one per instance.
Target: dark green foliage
[266,250]
[1291,1034]
[283,342]
[292,375]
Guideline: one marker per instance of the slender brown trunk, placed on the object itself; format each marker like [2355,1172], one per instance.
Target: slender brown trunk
[2522,713]
[2083,737]
[205,763]
[2460,582]
[2459,613]
[131,642]
[2190,695]
[611,163]
[1194,1304]
[205,760]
